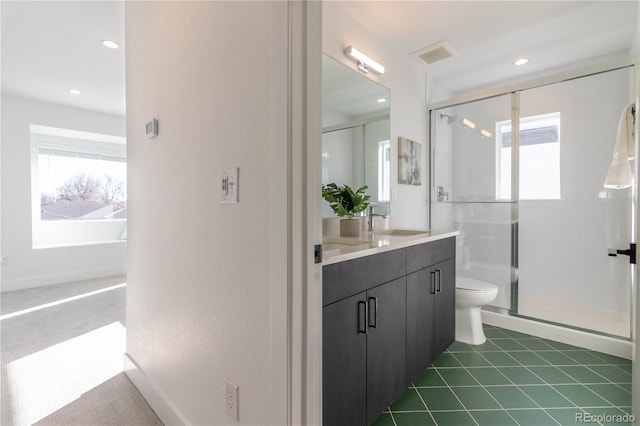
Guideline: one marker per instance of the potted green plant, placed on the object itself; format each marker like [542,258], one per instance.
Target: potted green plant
[344,201]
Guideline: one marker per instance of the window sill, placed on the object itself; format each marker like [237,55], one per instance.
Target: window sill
[77,244]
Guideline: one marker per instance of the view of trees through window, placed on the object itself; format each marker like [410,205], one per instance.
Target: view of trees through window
[77,186]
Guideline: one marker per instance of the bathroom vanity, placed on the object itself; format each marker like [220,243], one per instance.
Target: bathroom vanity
[388,312]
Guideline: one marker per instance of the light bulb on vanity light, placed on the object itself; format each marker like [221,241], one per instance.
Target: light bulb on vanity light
[364,62]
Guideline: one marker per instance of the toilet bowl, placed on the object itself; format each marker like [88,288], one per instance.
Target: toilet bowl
[471,296]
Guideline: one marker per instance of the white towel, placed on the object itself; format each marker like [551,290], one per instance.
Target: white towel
[619,175]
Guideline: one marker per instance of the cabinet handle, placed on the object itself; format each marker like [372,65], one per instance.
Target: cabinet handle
[373,311]
[432,282]
[362,316]
[439,280]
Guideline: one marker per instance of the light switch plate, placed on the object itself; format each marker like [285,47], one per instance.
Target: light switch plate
[229,185]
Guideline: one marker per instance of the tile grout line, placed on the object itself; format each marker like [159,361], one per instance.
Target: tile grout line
[454,394]
[588,367]
[545,383]
[393,419]
[489,393]
[537,350]
[525,393]
[513,383]
[424,403]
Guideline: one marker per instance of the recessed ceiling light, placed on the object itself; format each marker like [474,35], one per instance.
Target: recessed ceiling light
[521,61]
[110,44]
[485,133]
[75,92]
[381,100]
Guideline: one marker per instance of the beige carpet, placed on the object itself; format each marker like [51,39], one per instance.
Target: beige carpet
[115,402]
[62,351]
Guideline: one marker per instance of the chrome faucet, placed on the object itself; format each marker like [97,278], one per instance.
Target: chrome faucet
[372,215]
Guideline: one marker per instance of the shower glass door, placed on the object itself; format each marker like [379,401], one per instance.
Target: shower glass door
[464,194]
[567,218]
[521,176]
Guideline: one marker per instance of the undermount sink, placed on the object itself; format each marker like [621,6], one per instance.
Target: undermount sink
[400,232]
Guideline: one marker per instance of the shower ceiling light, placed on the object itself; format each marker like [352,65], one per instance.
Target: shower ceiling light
[364,62]
[470,124]
[110,44]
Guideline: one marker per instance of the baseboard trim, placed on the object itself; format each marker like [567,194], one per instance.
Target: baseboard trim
[605,344]
[59,278]
[155,397]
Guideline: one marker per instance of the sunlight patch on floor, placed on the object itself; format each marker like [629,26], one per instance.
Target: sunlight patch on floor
[60,302]
[45,381]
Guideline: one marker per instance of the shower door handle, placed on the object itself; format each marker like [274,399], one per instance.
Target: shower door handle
[631,252]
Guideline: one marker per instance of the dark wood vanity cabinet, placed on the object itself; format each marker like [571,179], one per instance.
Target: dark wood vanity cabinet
[380,326]
[430,315]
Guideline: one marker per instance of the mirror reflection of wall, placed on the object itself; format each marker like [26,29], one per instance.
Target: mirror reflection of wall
[356,146]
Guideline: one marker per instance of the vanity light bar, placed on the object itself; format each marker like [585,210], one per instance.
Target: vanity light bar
[364,62]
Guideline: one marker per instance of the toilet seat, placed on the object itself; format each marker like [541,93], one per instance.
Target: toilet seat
[471,285]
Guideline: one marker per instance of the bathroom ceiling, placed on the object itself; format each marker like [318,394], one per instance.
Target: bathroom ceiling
[49,47]
[490,35]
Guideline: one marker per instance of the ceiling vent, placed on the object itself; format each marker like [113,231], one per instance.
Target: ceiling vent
[435,52]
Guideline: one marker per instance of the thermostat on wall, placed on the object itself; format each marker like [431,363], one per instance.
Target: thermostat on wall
[152,129]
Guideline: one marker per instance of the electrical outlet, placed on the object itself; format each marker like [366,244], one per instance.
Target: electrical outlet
[231,400]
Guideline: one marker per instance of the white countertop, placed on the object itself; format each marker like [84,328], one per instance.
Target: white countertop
[338,249]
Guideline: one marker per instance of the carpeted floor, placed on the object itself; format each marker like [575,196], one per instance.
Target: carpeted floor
[62,351]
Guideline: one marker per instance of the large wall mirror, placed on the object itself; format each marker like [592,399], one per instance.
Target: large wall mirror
[356,148]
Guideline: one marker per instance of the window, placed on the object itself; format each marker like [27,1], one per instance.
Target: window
[539,164]
[77,177]
[81,185]
[384,171]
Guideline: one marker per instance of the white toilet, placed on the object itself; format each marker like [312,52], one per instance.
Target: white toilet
[471,295]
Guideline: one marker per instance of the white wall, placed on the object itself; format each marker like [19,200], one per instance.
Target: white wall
[26,266]
[201,279]
[406,81]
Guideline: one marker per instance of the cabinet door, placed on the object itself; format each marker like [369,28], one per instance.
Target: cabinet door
[445,306]
[420,314]
[344,362]
[386,346]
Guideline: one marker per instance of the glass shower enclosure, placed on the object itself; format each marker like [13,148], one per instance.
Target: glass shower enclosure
[520,175]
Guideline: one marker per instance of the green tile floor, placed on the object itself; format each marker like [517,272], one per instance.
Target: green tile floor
[516,379]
